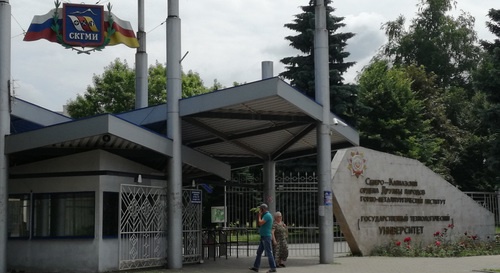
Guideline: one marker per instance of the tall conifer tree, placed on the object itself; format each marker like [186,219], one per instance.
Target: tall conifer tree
[299,69]
[487,79]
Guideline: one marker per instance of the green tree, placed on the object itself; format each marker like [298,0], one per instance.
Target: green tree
[300,69]
[471,143]
[393,119]
[487,79]
[425,89]
[114,90]
[444,45]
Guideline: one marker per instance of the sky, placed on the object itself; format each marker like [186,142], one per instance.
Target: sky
[225,40]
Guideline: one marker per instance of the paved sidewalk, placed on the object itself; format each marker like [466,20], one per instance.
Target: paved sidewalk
[348,265]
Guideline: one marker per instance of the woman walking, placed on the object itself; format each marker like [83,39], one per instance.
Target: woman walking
[279,237]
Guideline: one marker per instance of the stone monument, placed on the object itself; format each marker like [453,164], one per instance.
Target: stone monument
[379,198]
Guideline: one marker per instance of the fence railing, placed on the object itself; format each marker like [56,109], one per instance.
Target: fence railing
[243,242]
[490,201]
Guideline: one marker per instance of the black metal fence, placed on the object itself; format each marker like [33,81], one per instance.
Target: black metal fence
[296,197]
[488,200]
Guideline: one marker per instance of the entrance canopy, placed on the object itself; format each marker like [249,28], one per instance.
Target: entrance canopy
[230,128]
[39,142]
[250,123]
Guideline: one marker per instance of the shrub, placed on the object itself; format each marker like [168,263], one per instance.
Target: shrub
[444,245]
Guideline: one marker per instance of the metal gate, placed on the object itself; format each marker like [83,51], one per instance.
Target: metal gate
[142,236]
[192,228]
[296,198]
[143,222]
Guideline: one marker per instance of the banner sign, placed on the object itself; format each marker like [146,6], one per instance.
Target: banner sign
[83,25]
[78,26]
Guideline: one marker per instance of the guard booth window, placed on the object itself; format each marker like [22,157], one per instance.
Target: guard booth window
[64,214]
[19,216]
[110,214]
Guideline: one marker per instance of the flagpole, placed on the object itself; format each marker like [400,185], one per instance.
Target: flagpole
[5,66]
[174,167]
[141,62]
[322,92]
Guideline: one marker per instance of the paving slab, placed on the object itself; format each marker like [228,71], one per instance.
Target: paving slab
[347,265]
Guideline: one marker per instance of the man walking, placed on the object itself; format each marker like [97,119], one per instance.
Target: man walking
[265,221]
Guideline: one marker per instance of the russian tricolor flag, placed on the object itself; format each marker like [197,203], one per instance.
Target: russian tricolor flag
[40,28]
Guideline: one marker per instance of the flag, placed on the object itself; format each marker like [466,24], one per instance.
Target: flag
[124,32]
[40,28]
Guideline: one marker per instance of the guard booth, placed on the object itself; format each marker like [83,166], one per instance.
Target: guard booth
[89,195]
[96,221]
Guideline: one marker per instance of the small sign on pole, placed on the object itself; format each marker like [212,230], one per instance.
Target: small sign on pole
[328,198]
[195,197]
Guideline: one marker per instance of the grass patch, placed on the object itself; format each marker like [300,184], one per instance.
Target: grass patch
[252,238]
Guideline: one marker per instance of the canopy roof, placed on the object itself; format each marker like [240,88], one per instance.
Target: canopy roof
[235,127]
[250,123]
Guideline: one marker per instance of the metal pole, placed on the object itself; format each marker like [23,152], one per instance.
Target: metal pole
[269,167]
[141,62]
[225,206]
[322,91]
[270,185]
[174,91]
[5,55]
[267,69]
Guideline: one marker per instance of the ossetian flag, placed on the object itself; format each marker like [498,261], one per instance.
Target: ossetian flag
[40,28]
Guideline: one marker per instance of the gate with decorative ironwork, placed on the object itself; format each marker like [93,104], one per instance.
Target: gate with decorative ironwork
[142,237]
[192,228]
[143,222]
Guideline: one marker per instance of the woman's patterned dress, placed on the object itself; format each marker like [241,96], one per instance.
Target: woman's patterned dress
[281,248]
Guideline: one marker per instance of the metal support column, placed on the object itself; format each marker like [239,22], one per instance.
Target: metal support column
[269,167]
[174,91]
[5,57]
[141,62]
[322,92]
[270,185]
